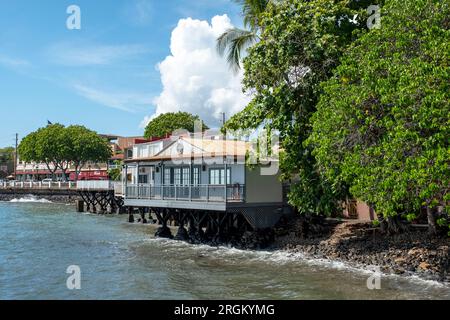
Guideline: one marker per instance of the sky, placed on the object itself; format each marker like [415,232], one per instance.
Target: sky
[130,61]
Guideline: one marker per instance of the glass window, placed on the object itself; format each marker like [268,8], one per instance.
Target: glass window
[222,176]
[177,176]
[217,176]
[186,176]
[196,176]
[167,176]
[143,179]
[214,176]
[152,175]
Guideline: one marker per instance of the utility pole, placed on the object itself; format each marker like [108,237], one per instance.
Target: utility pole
[223,124]
[16,157]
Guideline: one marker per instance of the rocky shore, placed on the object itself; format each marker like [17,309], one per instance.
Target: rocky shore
[361,245]
[358,244]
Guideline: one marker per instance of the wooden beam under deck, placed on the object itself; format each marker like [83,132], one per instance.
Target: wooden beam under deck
[176,204]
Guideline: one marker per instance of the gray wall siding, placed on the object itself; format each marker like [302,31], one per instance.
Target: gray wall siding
[262,189]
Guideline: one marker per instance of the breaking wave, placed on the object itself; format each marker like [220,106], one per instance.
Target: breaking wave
[30,199]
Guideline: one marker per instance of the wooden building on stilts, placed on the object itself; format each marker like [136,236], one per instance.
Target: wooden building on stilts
[205,186]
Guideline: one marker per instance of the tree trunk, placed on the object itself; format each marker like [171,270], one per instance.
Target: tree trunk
[78,167]
[64,175]
[395,226]
[52,172]
[432,228]
[77,171]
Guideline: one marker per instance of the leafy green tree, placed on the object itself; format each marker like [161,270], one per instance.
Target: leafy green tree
[6,159]
[234,41]
[6,153]
[46,145]
[167,123]
[382,126]
[86,146]
[300,45]
[60,147]
[116,173]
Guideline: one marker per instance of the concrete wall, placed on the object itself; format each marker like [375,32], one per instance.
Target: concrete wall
[58,196]
[262,188]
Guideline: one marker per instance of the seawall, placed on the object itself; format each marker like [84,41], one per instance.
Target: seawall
[58,196]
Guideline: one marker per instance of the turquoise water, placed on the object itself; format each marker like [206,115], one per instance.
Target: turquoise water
[38,241]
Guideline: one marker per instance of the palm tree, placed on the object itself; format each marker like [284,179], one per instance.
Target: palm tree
[234,41]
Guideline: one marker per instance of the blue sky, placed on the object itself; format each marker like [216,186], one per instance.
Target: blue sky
[106,75]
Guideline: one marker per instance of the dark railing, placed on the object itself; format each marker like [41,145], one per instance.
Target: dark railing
[199,193]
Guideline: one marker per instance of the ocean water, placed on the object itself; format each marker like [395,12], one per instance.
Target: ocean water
[40,240]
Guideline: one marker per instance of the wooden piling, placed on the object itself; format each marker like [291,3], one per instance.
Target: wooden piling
[80,206]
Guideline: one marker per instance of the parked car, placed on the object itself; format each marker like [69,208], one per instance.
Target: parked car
[47,180]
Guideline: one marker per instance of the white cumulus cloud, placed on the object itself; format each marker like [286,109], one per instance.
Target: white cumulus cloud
[195,78]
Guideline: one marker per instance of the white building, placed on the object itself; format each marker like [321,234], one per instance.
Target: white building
[206,174]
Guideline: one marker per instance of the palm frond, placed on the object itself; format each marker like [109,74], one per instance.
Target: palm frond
[232,43]
[251,11]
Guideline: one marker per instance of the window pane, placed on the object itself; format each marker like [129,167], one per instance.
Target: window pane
[167,177]
[177,176]
[217,176]
[186,176]
[222,176]
[143,179]
[214,176]
[195,177]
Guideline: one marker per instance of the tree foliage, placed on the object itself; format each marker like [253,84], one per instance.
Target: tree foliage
[167,123]
[59,147]
[6,159]
[46,145]
[382,125]
[6,154]
[115,174]
[86,146]
[301,43]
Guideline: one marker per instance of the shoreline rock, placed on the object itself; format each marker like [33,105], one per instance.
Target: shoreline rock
[356,244]
[361,246]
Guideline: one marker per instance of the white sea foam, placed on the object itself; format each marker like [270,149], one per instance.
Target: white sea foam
[30,199]
[280,257]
